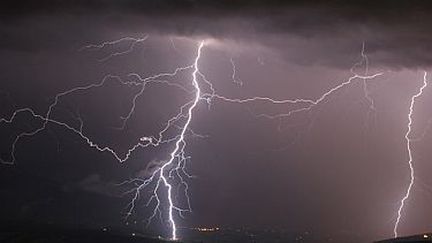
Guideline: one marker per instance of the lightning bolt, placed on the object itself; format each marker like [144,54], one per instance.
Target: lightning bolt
[234,73]
[174,167]
[309,104]
[180,144]
[166,171]
[408,141]
[47,118]
[133,42]
[172,171]
[366,91]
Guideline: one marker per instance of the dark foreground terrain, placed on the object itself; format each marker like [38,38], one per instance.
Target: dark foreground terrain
[426,237]
[19,233]
[71,236]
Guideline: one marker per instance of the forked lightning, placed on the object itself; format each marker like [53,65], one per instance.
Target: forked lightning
[171,174]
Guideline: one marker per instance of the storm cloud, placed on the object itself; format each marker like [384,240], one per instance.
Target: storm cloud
[396,33]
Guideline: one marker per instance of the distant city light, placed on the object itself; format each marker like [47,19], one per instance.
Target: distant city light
[207,229]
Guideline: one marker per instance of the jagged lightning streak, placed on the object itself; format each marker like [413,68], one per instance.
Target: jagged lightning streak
[166,171]
[180,144]
[308,103]
[163,176]
[177,159]
[47,118]
[234,73]
[366,91]
[134,42]
[409,149]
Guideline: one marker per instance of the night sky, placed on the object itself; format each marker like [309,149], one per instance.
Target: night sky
[339,169]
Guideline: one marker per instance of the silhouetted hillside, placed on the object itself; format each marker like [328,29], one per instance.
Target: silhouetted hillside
[427,237]
[58,235]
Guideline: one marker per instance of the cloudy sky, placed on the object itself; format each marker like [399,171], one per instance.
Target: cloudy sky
[337,170]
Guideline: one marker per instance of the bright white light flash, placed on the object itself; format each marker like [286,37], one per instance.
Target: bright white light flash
[180,144]
[174,167]
[133,42]
[175,163]
[173,170]
[408,140]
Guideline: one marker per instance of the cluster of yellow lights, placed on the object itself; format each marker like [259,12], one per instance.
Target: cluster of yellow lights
[207,229]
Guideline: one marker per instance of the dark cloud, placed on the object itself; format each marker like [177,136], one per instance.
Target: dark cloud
[243,7]
[94,183]
[396,32]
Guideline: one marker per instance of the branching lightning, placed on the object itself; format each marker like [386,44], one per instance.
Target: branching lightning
[308,104]
[133,42]
[171,174]
[177,159]
[165,172]
[234,73]
[408,141]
